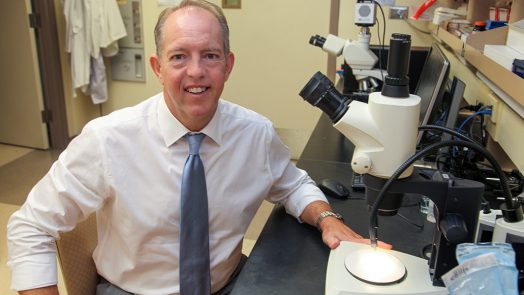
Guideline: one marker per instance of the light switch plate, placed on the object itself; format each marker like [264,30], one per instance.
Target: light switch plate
[398,12]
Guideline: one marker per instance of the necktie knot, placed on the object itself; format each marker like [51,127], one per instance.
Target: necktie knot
[195,139]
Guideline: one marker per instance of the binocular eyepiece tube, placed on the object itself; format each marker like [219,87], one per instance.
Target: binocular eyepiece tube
[320,92]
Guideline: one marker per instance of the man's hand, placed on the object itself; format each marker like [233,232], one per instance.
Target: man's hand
[333,230]
[50,290]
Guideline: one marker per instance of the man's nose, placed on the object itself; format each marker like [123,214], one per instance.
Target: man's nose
[195,68]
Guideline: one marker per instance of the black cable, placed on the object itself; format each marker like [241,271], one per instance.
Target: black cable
[381,43]
[373,216]
[510,202]
[483,131]
[380,47]
[471,126]
[411,222]
[455,161]
[485,165]
[445,130]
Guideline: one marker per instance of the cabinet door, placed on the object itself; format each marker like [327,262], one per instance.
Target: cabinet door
[21,99]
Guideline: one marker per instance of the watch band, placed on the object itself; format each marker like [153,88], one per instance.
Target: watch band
[325,214]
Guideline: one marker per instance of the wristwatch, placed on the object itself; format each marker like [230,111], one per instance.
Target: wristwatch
[325,214]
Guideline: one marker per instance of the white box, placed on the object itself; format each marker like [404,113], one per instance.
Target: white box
[499,14]
[502,54]
[516,36]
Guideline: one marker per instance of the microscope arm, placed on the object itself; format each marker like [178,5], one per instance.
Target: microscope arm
[375,73]
[356,53]
[383,131]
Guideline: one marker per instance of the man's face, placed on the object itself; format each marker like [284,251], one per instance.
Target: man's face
[193,66]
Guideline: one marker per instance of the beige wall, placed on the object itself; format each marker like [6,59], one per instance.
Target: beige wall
[273,60]
[347,28]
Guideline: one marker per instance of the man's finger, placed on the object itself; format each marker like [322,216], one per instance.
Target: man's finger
[380,244]
[332,242]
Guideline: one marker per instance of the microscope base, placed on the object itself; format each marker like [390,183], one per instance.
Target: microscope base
[505,232]
[486,226]
[340,282]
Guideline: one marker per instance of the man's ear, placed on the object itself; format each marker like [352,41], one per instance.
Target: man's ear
[155,66]
[230,62]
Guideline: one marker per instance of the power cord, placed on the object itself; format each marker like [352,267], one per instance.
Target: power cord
[383,40]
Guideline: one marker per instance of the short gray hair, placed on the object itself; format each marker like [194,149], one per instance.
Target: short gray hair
[214,9]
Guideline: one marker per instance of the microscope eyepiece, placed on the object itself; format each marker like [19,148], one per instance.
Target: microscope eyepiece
[320,92]
[396,83]
[317,41]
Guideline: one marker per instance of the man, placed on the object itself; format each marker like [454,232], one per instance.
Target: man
[127,167]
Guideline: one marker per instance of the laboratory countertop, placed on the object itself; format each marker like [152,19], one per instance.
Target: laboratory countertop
[290,258]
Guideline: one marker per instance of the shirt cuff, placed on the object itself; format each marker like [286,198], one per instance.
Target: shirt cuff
[36,273]
[301,198]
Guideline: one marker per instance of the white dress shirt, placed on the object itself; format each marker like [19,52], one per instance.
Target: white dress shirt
[127,167]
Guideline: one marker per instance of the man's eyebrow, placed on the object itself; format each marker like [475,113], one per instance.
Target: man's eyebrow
[212,49]
[179,49]
[175,49]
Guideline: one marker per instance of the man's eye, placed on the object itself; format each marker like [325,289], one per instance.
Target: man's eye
[177,57]
[212,56]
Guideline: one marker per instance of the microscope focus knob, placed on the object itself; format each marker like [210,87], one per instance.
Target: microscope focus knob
[454,228]
[361,163]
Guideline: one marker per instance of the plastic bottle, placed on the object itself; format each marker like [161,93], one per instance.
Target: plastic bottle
[479,26]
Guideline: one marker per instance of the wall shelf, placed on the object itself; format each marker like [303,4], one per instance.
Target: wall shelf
[510,107]
[472,52]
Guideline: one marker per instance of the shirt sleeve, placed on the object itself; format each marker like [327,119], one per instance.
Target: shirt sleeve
[292,186]
[72,189]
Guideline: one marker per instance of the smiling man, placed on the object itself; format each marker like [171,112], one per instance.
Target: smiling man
[192,63]
[130,168]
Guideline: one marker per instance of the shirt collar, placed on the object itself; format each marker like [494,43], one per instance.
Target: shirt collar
[172,130]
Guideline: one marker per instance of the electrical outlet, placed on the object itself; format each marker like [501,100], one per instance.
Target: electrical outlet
[493,101]
[398,12]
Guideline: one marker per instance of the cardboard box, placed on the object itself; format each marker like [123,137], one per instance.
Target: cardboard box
[506,80]
[499,14]
[452,39]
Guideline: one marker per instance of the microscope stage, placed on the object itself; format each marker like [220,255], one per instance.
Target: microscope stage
[339,281]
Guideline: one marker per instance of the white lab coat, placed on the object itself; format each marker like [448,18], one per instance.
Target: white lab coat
[91,25]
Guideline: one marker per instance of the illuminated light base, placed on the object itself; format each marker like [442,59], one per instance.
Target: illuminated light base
[339,281]
[375,266]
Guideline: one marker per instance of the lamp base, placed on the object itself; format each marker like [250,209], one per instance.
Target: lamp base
[339,281]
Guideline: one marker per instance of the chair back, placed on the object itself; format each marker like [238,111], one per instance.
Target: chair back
[75,250]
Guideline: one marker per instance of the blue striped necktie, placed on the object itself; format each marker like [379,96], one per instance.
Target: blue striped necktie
[195,277]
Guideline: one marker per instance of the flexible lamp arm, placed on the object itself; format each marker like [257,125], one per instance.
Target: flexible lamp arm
[512,211]
[504,182]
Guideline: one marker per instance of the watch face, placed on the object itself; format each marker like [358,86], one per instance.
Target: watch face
[325,214]
[329,213]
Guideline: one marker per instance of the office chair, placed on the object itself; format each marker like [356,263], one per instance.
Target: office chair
[75,251]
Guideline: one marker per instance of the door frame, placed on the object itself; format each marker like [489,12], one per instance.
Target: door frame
[51,72]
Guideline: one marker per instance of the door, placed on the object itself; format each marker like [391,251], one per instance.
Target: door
[21,99]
